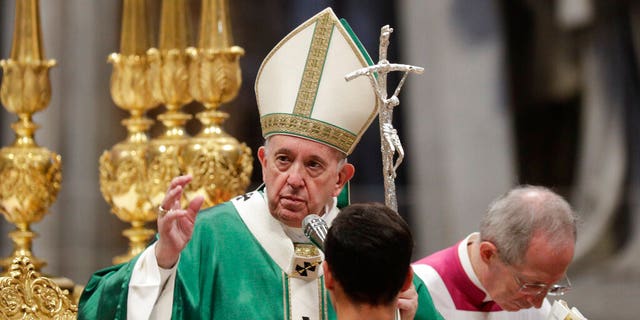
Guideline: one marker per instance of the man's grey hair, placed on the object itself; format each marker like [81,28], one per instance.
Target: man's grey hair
[515,217]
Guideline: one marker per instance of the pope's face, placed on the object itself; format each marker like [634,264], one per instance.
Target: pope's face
[301,177]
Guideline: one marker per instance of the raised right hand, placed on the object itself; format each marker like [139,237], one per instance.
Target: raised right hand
[176,226]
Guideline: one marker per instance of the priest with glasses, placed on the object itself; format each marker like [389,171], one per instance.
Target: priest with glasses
[506,271]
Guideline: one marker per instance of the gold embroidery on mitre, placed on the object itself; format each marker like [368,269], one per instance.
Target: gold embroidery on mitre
[314,65]
[313,129]
[306,262]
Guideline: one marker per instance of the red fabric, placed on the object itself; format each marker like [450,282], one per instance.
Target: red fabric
[465,294]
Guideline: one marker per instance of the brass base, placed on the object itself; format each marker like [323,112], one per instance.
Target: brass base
[138,238]
[21,248]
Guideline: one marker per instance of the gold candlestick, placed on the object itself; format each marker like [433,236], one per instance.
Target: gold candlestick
[220,165]
[135,174]
[171,88]
[123,169]
[30,174]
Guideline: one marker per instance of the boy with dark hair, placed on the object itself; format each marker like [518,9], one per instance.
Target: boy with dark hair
[367,256]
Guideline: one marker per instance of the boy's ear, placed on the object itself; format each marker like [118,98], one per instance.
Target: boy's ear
[328,277]
[408,281]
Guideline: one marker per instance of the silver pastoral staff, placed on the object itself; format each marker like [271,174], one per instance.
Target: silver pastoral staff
[389,139]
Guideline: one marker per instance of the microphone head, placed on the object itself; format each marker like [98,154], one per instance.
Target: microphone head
[315,229]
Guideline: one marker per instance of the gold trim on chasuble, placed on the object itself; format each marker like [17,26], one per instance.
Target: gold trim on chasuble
[322,297]
[307,262]
[300,122]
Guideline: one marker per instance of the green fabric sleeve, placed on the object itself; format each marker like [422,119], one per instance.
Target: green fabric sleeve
[426,308]
[105,296]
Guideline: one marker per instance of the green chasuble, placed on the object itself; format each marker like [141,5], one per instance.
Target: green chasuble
[230,271]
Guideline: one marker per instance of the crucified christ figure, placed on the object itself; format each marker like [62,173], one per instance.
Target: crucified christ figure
[389,139]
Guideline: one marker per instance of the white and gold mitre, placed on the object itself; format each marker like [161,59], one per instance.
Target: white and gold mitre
[301,89]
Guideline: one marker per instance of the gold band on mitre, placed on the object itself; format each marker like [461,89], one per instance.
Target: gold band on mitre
[301,90]
[309,128]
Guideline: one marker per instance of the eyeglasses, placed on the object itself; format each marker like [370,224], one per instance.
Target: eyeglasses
[534,289]
[557,289]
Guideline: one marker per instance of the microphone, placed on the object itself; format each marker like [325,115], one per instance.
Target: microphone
[315,228]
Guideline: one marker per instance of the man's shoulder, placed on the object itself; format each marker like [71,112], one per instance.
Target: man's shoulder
[438,265]
[439,257]
[217,224]
[216,214]
[425,275]
[225,214]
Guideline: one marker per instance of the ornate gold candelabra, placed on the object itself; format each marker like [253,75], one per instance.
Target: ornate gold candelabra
[30,174]
[134,174]
[171,87]
[221,166]
[123,169]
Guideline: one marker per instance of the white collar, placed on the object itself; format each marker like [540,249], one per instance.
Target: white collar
[463,253]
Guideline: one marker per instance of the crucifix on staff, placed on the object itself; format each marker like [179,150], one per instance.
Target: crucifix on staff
[389,139]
